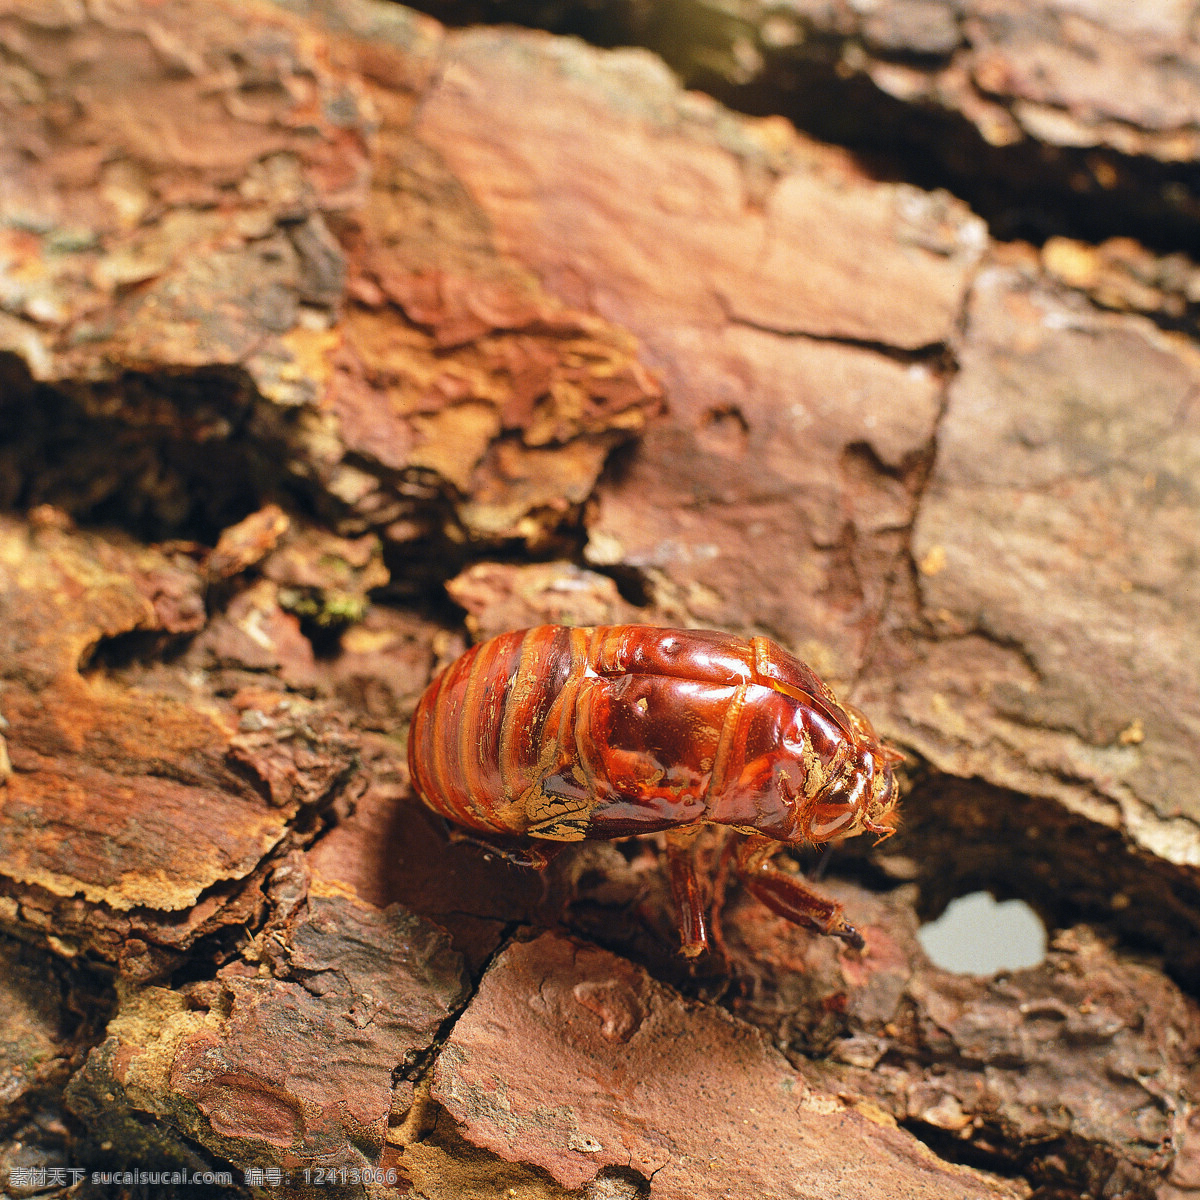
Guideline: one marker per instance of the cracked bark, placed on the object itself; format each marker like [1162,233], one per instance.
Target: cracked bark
[1050,118]
[312,317]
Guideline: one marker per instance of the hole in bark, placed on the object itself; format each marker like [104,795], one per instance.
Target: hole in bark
[632,584]
[618,1183]
[618,467]
[960,836]
[724,430]
[977,936]
[1057,1169]
[138,648]
[161,456]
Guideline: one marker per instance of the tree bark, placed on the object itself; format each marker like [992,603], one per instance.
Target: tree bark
[332,339]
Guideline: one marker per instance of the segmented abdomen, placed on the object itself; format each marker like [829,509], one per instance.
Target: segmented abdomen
[616,730]
[476,735]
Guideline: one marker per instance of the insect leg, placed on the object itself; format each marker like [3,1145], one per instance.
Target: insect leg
[509,850]
[725,862]
[685,890]
[791,897]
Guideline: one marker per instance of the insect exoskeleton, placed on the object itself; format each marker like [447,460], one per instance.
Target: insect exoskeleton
[564,733]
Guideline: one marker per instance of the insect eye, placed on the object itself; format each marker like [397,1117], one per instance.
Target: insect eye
[828,820]
[837,807]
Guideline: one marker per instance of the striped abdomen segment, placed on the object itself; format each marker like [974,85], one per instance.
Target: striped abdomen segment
[478,732]
[619,730]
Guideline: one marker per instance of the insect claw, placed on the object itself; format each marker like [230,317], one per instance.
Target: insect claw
[884,828]
[851,937]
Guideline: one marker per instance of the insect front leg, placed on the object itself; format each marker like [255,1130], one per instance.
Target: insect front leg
[791,897]
[685,889]
[509,850]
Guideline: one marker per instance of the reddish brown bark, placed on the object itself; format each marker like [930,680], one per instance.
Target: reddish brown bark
[312,317]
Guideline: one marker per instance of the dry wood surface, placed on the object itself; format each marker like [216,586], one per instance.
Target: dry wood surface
[333,338]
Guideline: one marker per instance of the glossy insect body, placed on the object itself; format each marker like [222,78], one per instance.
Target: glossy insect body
[565,734]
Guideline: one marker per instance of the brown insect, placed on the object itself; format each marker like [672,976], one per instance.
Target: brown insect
[617,730]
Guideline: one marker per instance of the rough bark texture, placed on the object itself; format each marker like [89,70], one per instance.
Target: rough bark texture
[331,339]
[1051,115]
